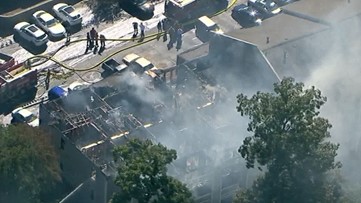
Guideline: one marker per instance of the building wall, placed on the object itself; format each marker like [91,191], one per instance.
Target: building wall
[90,182]
[104,185]
[85,192]
[75,166]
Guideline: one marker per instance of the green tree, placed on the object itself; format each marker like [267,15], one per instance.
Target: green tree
[142,174]
[28,163]
[289,140]
[105,10]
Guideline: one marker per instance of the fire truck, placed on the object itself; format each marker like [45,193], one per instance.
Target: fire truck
[185,10]
[15,79]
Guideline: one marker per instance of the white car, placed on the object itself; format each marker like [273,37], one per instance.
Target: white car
[30,33]
[144,64]
[130,58]
[139,63]
[21,115]
[78,86]
[67,14]
[48,23]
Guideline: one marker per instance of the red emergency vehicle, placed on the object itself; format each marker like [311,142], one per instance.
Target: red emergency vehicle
[15,79]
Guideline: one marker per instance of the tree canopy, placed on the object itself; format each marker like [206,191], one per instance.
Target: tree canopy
[28,163]
[289,139]
[142,174]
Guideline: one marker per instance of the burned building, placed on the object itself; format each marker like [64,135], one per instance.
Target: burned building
[209,77]
[193,112]
[88,123]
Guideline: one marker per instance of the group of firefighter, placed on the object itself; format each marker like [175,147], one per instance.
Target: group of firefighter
[92,39]
[175,33]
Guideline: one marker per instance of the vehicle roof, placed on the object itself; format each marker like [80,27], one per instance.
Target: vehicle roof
[241,7]
[76,83]
[130,57]
[21,25]
[59,6]
[246,10]
[44,15]
[23,112]
[37,32]
[182,3]
[207,21]
[143,62]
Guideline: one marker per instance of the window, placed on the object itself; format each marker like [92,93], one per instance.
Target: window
[68,9]
[51,22]
[41,37]
[62,143]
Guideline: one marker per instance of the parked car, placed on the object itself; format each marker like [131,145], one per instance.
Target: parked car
[30,33]
[246,15]
[265,7]
[21,115]
[284,2]
[49,24]
[67,14]
[141,9]
[205,27]
[75,86]
[112,66]
[130,58]
[141,65]
[136,63]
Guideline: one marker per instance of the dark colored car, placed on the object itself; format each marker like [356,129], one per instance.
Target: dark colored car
[265,8]
[141,9]
[246,16]
[284,2]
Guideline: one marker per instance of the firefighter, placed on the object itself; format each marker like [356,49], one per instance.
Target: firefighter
[142,28]
[135,27]
[102,41]
[159,26]
[172,37]
[102,44]
[89,43]
[93,32]
[179,38]
[165,28]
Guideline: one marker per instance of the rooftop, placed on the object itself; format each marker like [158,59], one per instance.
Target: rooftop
[279,29]
[329,11]
[192,115]
[102,116]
